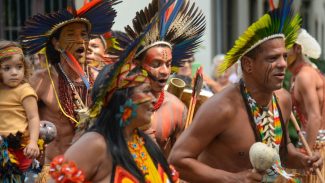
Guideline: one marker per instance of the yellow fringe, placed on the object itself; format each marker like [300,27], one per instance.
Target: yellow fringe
[44,176]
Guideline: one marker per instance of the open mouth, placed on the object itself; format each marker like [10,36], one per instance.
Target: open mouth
[162,82]
[80,50]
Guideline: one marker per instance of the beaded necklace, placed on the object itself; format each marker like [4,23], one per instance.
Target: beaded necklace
[160,101]
[143,160]
[269,127]
[267,123]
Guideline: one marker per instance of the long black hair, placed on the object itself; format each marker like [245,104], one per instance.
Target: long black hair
[108,126]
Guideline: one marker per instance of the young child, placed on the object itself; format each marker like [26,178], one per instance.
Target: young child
[19,121]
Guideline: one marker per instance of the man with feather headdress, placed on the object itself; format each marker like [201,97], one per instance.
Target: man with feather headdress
[168,43]
[63,88]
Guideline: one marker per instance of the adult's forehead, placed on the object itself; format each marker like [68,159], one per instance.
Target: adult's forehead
[158,51]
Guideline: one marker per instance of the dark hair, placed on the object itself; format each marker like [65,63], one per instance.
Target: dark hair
[5,44]
[110,129]
[51,53]
[252,54]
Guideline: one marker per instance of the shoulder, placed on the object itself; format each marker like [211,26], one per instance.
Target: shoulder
[93,140]
[284,100]
[305,74]
[173,100]
[25,90]
[221,106]
[40,81]
[91,144]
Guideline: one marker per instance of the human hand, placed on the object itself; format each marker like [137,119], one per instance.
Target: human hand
[31,150]
[249,176]
[311,163]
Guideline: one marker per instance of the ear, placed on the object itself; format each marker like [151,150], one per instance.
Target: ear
[247,64]
[297,48]
[55,43]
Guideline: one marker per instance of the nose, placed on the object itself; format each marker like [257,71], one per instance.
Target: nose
[282,63]
[14,71]
[164,70]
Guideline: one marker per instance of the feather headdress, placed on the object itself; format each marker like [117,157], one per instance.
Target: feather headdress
[123,73]
[277,23]
[98,15]
[309,46]
[179,28]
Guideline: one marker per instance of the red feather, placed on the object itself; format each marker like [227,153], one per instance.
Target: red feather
[89,5]
[74,64]
[271,4]
[169,11]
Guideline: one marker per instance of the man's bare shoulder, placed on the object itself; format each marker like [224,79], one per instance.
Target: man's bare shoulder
[284,99]
[222,104]
[40,81]
[306,73]
[173,100]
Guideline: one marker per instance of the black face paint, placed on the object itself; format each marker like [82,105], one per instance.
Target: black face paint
[266,76]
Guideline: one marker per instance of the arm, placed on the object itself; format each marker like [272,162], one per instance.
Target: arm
[307,90]
[31,109]
[203,130]
[295,159]
[89,153]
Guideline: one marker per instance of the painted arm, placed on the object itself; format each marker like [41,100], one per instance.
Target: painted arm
[31,109]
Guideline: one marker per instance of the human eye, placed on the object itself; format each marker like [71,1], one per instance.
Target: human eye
[155,64]
[20,67]
[6,68]
[285,56]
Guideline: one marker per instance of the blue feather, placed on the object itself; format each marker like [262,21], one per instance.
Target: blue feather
[162,19]
[172,17]
[283,16]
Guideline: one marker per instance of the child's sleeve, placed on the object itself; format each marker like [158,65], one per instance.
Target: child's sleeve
[25,91]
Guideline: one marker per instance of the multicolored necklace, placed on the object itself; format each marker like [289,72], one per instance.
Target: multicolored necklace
[137,149]
[267,123]
[269,127]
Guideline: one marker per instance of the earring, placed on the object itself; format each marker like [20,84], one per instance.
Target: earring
[126,113]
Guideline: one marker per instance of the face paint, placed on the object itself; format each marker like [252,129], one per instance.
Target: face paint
[157,62]
[74,38]
[164,54]
[142,94]
[267,73]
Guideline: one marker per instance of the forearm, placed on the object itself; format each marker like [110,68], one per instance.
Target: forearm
[34,127]
[313,125]
[294,158]
[193,171]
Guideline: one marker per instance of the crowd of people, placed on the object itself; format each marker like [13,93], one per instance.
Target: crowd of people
[83,103]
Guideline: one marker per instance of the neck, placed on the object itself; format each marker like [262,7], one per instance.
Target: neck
[262,96]
[156,94]
[128,131]
[73,76]
[296,64]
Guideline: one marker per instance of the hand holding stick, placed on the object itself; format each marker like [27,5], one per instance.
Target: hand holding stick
[309,152]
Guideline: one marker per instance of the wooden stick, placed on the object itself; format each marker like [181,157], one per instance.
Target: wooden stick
[189,113]
[309,152]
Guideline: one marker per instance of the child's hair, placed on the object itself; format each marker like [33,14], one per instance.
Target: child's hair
[6,44]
